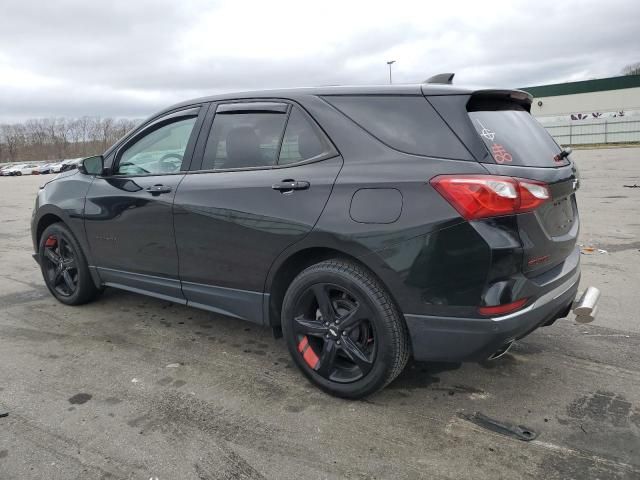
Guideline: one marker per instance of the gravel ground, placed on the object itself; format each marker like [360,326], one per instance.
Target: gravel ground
[136,388]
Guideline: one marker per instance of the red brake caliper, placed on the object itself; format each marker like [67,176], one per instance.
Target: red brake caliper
[51,242]
[307,352]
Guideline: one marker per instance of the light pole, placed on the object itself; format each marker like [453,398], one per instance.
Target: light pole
[390,62]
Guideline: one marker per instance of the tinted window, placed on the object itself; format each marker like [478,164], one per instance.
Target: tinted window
[406,123]
[301,140]
[158,152]
[244,139]
[514,137]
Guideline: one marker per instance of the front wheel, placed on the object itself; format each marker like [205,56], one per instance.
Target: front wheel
[64,266]
[343,330]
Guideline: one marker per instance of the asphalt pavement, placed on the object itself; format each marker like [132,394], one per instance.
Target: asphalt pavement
[131,387]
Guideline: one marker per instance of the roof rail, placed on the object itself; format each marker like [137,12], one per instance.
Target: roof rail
[443,78]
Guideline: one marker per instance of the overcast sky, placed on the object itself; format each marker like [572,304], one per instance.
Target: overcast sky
[130,58]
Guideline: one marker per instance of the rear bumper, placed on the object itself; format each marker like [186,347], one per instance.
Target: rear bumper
[457,339]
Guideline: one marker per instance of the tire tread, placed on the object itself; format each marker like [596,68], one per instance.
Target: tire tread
[391,318]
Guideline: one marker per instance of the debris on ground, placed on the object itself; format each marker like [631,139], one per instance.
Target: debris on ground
[135,380]
[635,185]
[590,250]
[519,432]
[3,413]
[173,365]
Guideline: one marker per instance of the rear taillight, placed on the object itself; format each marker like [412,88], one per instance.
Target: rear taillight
[482,196]
[502,309]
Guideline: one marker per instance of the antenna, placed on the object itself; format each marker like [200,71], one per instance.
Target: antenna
[444,78]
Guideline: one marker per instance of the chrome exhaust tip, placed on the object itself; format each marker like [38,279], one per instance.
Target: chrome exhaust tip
[585,306]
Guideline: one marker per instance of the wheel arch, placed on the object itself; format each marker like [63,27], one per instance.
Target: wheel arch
[45,215]
[283,274]
[43,222]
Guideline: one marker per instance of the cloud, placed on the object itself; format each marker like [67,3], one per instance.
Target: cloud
[129,58]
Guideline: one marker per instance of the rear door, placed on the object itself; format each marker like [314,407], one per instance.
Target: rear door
[264,174]
[518,146]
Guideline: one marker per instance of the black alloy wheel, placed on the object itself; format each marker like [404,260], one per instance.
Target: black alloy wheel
[334,332]
[343,330]
[60,265]
[64,267]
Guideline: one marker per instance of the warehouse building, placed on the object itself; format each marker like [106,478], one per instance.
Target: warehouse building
[605,110]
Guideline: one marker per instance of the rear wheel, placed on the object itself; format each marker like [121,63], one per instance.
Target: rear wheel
[343,330]
[64,266]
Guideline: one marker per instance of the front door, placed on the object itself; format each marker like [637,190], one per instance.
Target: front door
[264,178]
[128,214]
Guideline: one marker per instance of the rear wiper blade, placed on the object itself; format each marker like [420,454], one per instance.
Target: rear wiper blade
[563,154]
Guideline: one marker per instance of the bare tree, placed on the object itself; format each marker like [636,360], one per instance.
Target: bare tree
[84,128]
[633,69]
[58,138]
[12,137]
[106,132]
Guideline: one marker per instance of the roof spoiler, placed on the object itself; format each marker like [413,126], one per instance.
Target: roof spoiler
[442,78]
[479,98]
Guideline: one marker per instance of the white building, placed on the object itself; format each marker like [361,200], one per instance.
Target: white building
[605,110]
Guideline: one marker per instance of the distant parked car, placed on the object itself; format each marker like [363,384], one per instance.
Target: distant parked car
[12,169]
[4,171]
[57,167]
[72,164]
[27,169]
[23,169]
[63,166]
[44,169]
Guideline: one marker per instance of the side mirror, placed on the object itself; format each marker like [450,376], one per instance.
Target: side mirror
[92,165]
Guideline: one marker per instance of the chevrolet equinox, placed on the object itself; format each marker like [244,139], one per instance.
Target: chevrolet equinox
[365,225]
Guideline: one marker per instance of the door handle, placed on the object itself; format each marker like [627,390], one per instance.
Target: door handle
[291,185]
[158,189]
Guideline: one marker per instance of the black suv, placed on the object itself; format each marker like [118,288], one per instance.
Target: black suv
[365,224]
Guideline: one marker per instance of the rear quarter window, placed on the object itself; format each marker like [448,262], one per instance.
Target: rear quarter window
[301,140]
[405,123]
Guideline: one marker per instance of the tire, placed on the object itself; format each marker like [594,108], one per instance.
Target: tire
[55,239]
[360,313]
[19,174]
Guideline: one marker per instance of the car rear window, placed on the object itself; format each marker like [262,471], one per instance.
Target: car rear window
[405,123]
[513,136]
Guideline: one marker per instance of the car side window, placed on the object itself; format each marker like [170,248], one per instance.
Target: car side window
[159,152]
[406,123]
[240,139]
[301,140]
